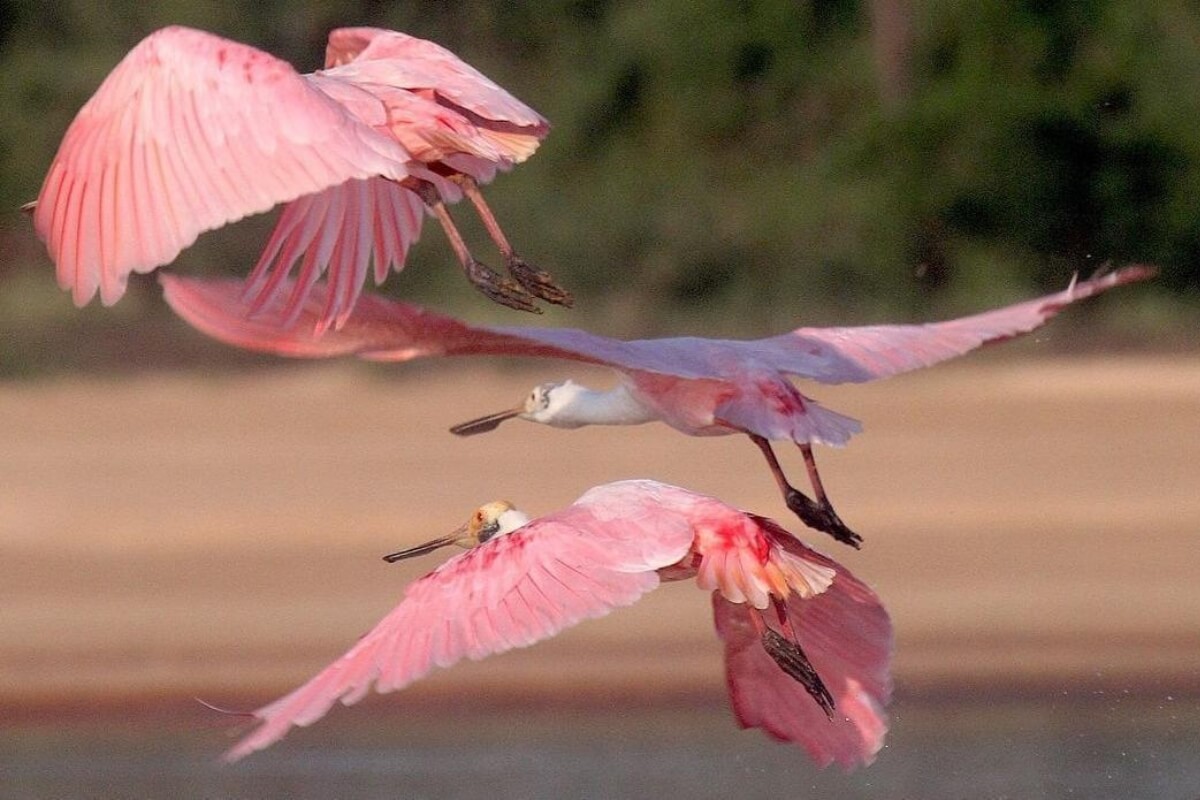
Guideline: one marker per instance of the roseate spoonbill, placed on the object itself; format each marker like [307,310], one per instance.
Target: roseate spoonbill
[192,131]
[807,645]
[701,387]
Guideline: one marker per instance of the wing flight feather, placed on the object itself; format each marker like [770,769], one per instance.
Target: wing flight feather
[189,132]
[509,592]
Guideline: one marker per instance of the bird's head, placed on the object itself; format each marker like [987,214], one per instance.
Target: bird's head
[543,404]
[489,521]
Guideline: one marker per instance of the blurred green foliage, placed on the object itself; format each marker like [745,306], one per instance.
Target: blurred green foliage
[728,165]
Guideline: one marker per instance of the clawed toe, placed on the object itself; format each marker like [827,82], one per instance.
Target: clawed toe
[792,660]
[538,283]
[500,289]
[822,518]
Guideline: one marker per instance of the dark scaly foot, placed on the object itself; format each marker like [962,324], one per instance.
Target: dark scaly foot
[498,288]
[538,282]
[820,517]
[791,659]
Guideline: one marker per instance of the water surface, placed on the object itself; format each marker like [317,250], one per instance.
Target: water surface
[1102,746]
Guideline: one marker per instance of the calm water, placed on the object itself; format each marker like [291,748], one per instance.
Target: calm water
[1095,747]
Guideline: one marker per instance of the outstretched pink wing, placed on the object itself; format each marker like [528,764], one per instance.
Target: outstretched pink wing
[596,555]
[189,132]
[855,355]
[846,634]
[379,329]
[385,330]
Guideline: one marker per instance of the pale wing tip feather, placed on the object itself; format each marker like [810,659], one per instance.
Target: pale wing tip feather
[267,731]
[112,289]
[243,749]
[870,720]
[82,291]
[1131,273]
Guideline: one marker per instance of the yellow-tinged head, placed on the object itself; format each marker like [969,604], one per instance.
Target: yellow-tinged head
[490,520]
[496,518]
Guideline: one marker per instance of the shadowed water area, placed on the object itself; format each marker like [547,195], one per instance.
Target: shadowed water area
[1089,747]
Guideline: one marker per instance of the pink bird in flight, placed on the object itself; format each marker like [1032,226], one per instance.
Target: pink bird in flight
[807,645]
[701,387]
[192,131]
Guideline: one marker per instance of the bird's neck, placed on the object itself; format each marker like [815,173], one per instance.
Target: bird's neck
[616,406]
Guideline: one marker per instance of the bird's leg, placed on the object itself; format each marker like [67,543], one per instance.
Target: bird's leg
[484,278]
[535,281]
[785,621]
[833,523]
[816,515]
[789,657]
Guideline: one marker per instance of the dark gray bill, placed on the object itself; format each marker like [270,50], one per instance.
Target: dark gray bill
[485,424]
[422,549]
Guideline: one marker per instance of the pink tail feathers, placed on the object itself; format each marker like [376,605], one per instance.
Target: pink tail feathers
[778,411]
[847,636]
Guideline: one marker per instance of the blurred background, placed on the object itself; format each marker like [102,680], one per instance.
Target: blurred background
[178,519]
[736,166]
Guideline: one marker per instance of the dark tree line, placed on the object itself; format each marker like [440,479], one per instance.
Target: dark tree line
[750,163]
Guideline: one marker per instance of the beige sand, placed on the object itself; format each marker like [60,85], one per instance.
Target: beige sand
[1025,522]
